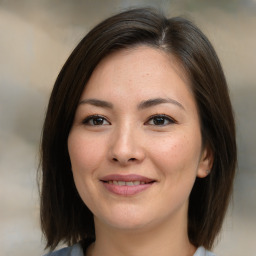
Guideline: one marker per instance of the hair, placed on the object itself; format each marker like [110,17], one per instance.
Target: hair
[64,216]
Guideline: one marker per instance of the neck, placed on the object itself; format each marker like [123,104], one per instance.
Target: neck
[166,239]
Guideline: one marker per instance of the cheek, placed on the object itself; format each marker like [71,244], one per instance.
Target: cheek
[84,153]
[177,153]
[85,158]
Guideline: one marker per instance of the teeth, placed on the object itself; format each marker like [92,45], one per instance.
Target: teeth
[124,183]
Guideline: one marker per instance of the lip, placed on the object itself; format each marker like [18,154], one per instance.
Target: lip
[126,190]
[127,178]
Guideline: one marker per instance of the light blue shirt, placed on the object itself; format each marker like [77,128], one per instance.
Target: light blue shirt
[76,250]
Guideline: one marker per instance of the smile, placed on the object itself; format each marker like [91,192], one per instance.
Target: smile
[126,185]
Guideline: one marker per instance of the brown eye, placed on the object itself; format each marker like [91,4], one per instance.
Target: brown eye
[160,120]
[95,121]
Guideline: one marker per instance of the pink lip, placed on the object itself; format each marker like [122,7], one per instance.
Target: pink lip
[126,190]
[129,177]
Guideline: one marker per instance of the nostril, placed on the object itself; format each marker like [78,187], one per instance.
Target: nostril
[129,160]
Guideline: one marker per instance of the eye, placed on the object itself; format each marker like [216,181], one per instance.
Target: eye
[95,120]
[160,120]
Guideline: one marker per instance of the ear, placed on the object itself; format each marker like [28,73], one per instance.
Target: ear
[206,162]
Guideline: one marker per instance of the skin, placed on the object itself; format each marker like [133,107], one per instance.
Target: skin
[126,139]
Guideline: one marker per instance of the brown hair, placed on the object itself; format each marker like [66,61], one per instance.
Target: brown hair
[64,216]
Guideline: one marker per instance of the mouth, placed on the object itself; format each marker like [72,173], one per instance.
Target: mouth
[126,185]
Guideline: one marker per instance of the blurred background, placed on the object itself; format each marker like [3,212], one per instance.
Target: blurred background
[37,36]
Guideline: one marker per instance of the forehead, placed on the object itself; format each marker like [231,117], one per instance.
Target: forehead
[151,58]
[138,73]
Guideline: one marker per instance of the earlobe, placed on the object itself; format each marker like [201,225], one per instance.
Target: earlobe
[205,164]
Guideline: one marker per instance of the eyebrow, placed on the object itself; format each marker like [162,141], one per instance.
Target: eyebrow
[153,102]
[97,103]
[144,104]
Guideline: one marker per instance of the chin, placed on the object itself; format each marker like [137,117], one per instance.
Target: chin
[129,225]
[127,220]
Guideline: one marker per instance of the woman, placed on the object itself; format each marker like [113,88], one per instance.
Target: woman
[138,146]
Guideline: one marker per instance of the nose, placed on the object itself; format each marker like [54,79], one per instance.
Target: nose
[126,147]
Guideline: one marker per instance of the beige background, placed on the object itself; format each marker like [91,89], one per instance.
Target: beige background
[37,36]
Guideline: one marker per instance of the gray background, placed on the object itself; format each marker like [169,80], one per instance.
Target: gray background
[36,37]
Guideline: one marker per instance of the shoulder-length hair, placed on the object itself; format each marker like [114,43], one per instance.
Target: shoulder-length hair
[64,216]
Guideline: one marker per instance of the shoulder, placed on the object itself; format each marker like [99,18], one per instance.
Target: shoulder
[201,251]
[75,250]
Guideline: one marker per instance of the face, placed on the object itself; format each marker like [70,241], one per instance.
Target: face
[135,144]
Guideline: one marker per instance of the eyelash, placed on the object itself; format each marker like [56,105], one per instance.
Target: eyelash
[92,118]
[164,117]
[87,120]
